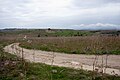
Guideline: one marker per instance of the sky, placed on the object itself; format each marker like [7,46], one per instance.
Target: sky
[66,14]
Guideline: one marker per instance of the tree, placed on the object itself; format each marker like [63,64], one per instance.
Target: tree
[49,29]
[38,35]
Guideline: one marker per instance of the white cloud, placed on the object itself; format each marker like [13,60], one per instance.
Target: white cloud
[93,3]
[58,12]
[34,9]
[100,25]
[97,26]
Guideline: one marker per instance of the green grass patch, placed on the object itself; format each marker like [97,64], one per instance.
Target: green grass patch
[76,45]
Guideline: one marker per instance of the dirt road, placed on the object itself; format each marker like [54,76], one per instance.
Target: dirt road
[69,60]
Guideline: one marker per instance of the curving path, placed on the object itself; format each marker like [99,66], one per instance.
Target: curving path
[69,60]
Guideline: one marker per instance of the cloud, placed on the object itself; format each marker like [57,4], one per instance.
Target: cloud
[33,9]
[93,3]
[97,26]
[59,13]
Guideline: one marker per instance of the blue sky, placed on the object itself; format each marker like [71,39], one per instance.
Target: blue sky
[75,14]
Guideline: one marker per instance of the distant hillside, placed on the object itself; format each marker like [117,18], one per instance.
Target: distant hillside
[56,32]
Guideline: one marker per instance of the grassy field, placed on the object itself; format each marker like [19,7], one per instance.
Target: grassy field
[76,45]
[54,32]
[15,68]
[67,41]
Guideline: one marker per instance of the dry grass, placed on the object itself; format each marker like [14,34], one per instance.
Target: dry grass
[76,45]
[61,44]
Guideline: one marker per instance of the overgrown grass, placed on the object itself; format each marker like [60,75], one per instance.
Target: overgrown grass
[76,45]
[14,68]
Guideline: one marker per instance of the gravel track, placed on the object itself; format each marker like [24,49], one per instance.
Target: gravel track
[69,60]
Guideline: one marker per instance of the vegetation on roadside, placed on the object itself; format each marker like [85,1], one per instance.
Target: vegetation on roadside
[76,45]
[15,68]
[67,41]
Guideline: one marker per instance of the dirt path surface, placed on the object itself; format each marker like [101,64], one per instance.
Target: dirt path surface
[69,60]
